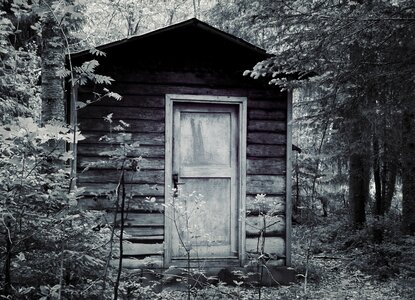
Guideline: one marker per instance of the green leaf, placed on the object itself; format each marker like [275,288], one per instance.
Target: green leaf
[80,104]
[97,52]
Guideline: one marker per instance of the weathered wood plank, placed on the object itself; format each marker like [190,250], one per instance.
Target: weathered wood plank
[266,125]
[265,166]
[260,114]
[127,101]
[265,184]
[132,113]
[183,78]
[125,88]
[144,151]
[150,262]
[142,249]
[267,138]
[102,163]
[254,150]
[218,263]
[137,232]
[274,226]
[140,219]
[106,176]
[152,139]
[276,204]
[273,245]
[89,124]
[278,102]
[135,204]
[146,239]
[131,189]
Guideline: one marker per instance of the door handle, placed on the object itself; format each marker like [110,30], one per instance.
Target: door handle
[176,183]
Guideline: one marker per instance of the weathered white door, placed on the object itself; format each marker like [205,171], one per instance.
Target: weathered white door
[205,168]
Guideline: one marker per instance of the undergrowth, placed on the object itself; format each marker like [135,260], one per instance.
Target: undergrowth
[342,264]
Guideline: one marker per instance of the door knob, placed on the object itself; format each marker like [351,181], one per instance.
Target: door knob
[176,182]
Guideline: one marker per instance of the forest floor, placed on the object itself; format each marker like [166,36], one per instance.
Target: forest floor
[341,264]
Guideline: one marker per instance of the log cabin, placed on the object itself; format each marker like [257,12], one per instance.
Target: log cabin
[206,141]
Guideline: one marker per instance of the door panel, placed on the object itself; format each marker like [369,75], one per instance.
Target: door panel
[205,223]
[204,138]
[205,159]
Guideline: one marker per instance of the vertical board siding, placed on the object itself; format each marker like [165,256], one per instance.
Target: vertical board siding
[143,108]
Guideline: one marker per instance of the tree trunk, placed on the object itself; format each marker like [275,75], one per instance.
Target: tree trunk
[408,172]
[53,60]
[358,173]
[379,187]
[358,189]
[390,166]
[391,170]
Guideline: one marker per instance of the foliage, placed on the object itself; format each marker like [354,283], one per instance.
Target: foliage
[48,233]
[355,58]
[342,266]
[50,247]
[20,94]
[345,263]
[107,21]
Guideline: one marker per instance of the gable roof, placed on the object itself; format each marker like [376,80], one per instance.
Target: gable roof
[191,24]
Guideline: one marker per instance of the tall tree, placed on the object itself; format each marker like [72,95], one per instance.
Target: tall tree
[408,170]
[360,54]
[109,20]
[53,63]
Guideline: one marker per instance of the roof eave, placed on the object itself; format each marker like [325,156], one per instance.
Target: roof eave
[190,22]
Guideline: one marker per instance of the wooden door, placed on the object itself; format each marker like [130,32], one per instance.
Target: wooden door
[205,168]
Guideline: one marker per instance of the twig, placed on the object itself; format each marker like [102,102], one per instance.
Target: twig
[117,282]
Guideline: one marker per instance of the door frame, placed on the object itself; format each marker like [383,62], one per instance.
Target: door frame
[241,104]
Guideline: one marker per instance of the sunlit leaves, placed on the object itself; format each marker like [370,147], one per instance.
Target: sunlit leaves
[86,72]
[97,52]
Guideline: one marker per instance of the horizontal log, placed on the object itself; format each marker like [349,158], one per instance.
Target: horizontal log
[144,151]
[142,249]
[276,261]
[261,114]
[150,262]
[254,150]
[218,263]
[131,189]
[126,101]
[183,78]
[140,219]
[126,114]
[107,176]
[271,204]
[278,102]
[265,166]
[265,184]
[136,204]
[267,138]
[137,232]
[266,125]
[152,139]
[273,245]
[102,163]
[142,126]
[146,239]
[125,88]
[273,226]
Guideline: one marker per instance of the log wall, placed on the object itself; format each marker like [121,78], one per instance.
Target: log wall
[143,108]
